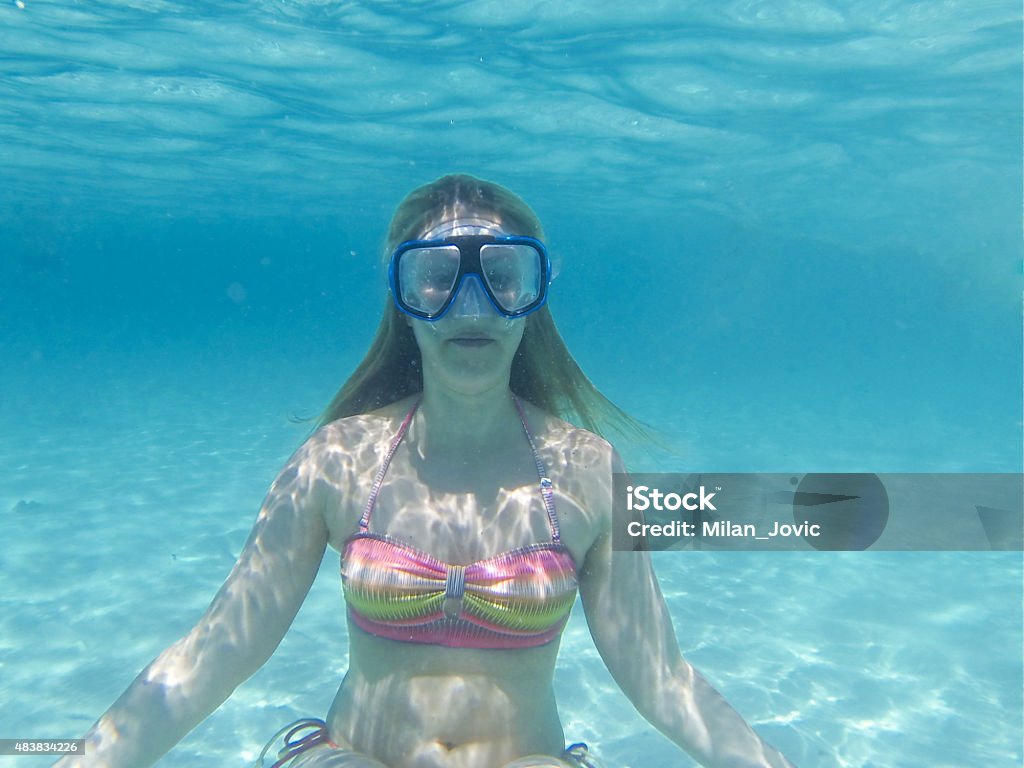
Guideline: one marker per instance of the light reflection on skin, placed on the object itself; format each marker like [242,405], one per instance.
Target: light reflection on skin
[466,697]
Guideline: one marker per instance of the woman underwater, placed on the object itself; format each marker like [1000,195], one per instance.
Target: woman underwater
[467,515]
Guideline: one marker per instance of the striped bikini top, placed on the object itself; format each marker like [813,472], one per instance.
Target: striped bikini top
[516,599]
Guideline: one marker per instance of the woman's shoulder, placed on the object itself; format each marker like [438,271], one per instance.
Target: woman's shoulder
[569,445]
[362,427]
[345,445]
[337,459]
[581,465]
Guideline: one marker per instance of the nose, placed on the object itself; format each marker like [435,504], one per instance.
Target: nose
[470,300]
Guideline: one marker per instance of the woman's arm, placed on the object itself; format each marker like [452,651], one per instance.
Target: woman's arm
[633,633]
[237,634]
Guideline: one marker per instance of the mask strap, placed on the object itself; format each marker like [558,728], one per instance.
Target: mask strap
[465,226]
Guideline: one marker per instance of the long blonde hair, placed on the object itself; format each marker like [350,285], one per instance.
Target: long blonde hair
[543,371]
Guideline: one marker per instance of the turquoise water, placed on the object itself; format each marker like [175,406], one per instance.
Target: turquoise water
[789,237]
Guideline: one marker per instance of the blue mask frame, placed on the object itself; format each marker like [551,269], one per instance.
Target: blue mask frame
[469,264]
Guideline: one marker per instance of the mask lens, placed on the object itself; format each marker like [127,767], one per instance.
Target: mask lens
[513,274]
[427,277]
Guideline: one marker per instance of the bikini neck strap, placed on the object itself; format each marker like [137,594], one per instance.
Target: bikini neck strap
[546,486]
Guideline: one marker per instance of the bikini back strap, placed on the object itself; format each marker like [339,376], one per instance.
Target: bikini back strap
[364,521]
[546,487]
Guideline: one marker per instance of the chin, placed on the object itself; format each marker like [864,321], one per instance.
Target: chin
[471,386]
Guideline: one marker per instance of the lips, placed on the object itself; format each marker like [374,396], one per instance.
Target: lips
[475,341]
[471,338]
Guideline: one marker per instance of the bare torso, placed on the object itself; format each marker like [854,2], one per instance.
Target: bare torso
[410,704]
[420,705]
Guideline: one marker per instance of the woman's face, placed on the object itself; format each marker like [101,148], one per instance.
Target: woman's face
[470,349]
